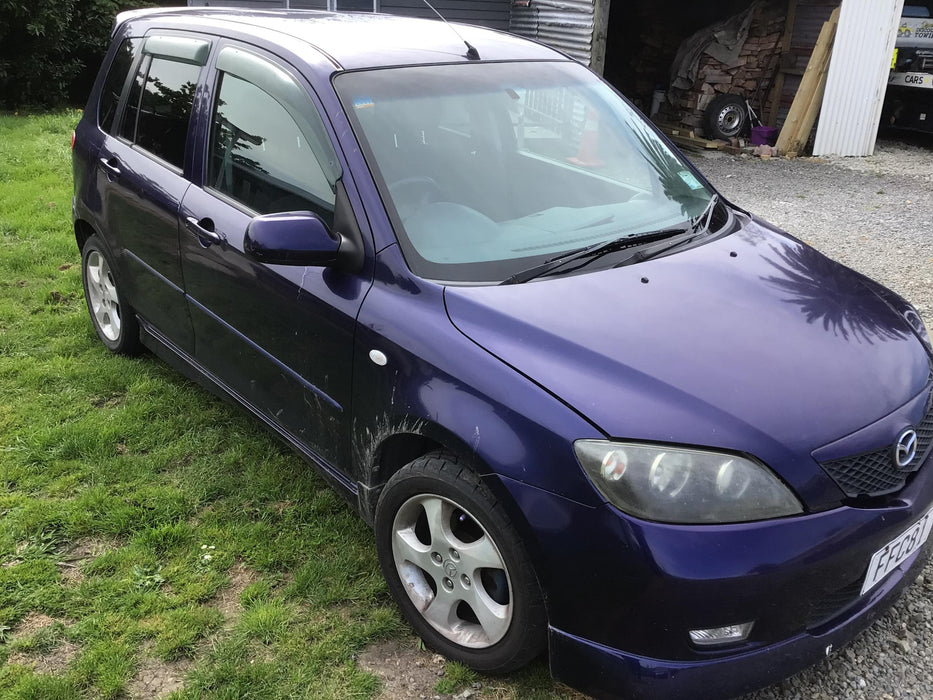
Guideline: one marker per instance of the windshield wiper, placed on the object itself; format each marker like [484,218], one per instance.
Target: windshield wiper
[696,230]
[698,225]
[707,214]
[592,252]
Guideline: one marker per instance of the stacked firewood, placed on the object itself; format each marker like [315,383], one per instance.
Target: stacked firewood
[750,77]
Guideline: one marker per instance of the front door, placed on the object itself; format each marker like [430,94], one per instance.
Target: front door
[280,337]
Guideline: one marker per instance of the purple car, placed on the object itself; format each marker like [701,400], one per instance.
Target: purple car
[589,407]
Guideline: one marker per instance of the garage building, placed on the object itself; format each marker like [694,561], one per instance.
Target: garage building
[759,50]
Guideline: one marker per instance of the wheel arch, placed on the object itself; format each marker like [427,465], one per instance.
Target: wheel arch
[414,439]
[83,231]
[392,449]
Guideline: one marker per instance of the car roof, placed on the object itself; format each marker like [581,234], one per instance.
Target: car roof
[357,40]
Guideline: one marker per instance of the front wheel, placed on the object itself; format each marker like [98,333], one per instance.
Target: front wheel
[457,568]
[114,319]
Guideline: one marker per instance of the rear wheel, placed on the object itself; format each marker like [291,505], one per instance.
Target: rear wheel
[114,319]
[457,568]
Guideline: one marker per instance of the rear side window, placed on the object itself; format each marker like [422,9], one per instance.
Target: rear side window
[113,84]
[158,108]
[165,108]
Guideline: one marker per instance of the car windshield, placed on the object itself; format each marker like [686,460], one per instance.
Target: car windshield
[489,168]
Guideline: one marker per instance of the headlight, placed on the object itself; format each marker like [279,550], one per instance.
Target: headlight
[913,318]
[677,485]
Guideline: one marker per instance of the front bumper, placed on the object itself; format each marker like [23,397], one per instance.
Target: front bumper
[604,672]
[623,594]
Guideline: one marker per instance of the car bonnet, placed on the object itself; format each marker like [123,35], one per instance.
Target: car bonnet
[754,342]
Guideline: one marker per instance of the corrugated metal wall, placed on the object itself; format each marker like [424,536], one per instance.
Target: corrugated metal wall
[567,25]
[858,77]
[259,4]
[355,5]
[487,13]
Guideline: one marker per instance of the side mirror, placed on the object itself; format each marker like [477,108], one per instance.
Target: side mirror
[302,238]
[291,238]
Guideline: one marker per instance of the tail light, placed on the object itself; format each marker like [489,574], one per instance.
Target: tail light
[72,140]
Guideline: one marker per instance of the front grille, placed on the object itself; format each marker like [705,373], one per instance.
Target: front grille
[875,473]
[925,430]
[832,604]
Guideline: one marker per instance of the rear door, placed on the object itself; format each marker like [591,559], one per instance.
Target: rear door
[280,337]
[142,166]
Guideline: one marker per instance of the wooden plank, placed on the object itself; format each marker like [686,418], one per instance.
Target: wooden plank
[689,139]
[816,101]
[668,128]
[600,35]
[813,110]
[809,97]
[778,88]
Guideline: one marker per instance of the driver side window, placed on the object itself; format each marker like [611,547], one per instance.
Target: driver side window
[265,152]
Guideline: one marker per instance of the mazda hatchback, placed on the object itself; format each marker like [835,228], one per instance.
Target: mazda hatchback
[590,408]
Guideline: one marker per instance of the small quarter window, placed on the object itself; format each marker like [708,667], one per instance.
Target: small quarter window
[131,112]
[114,83]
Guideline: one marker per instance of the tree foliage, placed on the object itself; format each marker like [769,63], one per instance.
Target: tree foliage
[50,50]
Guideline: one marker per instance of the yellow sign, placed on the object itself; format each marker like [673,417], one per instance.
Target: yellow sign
[894,60]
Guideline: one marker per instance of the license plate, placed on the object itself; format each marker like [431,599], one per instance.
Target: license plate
[889,557]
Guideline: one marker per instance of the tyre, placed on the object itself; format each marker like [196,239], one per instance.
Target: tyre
[114,319]
[726,117]
[457,568]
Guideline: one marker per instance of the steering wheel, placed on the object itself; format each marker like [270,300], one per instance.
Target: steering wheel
[412,193]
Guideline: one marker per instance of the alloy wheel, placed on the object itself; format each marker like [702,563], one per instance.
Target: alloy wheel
[452,571]
[102,295]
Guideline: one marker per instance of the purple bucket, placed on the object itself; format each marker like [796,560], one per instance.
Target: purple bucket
[764,135]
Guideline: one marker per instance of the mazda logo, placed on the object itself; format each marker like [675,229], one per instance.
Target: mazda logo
[905,449]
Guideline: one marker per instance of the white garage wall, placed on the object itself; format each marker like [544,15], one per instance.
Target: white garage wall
[858,77]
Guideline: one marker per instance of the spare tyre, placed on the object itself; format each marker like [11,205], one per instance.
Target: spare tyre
[726,117]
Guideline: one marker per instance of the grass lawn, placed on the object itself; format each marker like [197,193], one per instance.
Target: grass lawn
[153,539]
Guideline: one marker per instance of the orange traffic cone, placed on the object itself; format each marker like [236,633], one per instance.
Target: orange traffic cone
[589,143]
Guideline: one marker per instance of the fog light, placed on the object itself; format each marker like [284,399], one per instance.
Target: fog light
[717,636]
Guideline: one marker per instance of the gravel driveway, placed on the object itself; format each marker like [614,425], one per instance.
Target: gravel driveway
[876,216]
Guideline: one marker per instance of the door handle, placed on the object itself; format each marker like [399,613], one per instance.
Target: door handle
[111,166]
[204,230]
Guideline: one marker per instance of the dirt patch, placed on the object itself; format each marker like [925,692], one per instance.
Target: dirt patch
[70,572]
[109,401]
[33,622]
[405,671]
[83,550]
[88,548]
[15,559]
[280,506]
[227,599]
[56,298]
[156,679]
[54,661]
